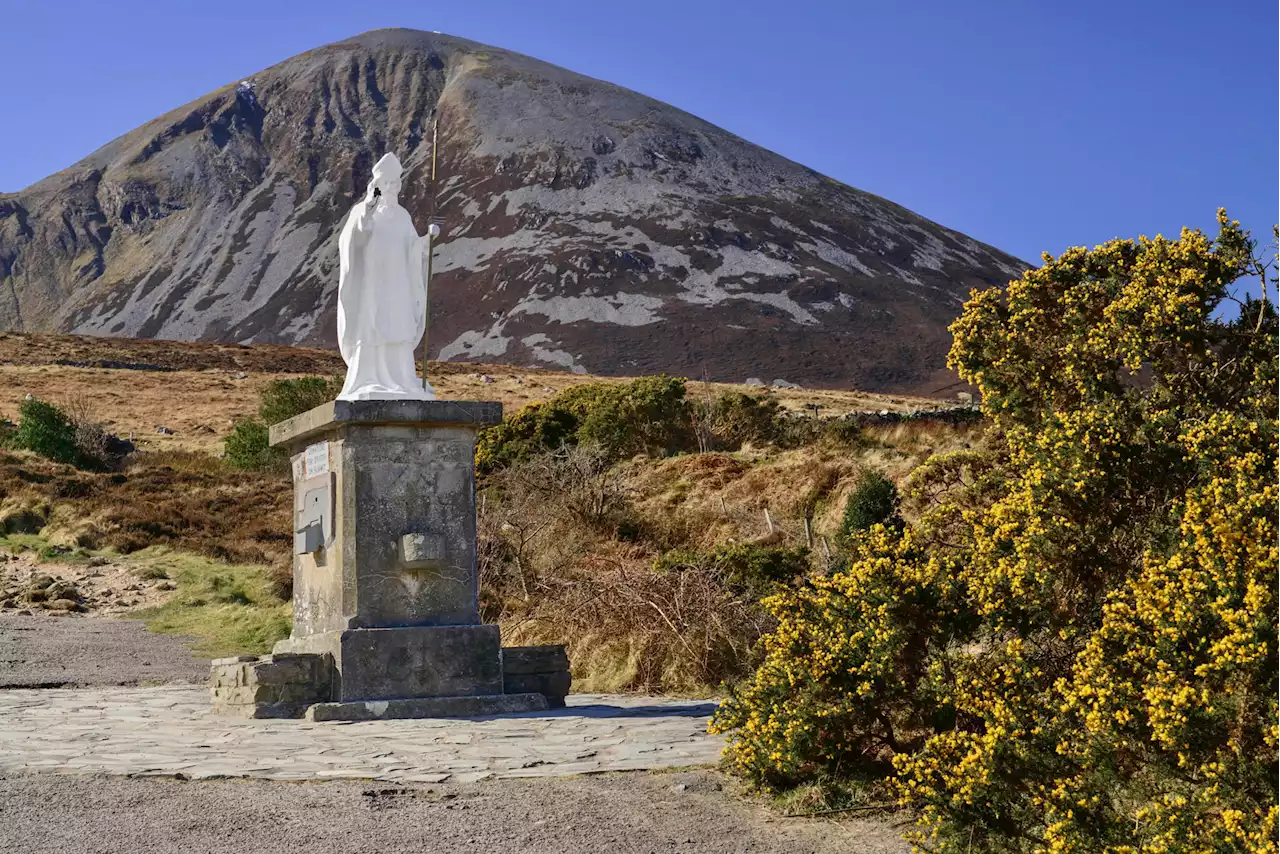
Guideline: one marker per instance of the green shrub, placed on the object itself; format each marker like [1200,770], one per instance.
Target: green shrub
[46,430]
[737,418]
[248,445]
[746,567]
[534,429]
[845,433]
[874,501]
[647,415]
[283,399]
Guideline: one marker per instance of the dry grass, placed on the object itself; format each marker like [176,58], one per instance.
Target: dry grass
[552,573]
[187,501]
[200,390]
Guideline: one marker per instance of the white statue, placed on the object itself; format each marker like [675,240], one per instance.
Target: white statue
[382,294]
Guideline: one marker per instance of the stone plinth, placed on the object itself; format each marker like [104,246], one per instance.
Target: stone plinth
[386,593]
[385,507]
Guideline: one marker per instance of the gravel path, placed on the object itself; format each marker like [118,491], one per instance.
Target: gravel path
[76,651]
[616,814]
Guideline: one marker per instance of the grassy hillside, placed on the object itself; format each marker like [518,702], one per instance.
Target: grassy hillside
[135,386]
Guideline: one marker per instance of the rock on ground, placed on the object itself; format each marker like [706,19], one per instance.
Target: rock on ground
[75,651]
[622,814]
[102,587]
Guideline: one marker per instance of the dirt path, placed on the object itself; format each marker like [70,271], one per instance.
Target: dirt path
[620,814]
[78,651]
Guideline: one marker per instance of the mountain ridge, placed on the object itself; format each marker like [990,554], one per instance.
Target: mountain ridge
[587,226]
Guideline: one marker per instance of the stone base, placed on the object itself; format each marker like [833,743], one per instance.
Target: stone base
[384,674]
[428,707]
[270,686]
[412,661]
[540,669]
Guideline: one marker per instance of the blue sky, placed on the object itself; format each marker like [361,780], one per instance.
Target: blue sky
[1032,125]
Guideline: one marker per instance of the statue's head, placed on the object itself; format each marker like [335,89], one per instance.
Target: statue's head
[386,175]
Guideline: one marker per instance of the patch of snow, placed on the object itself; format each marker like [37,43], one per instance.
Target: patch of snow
[551,356]
[473,344]
[778,222]
[244,89]
[619,309]
[832,254]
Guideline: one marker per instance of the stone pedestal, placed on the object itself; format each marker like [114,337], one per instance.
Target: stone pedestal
[386,593]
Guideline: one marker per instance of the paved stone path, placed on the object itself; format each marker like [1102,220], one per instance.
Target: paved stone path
[169,730]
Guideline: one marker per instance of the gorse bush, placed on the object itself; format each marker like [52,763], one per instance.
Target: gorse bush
[1073,649]
[248,445]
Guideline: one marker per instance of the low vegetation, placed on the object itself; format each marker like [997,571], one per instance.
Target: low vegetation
[1071,644]
[186,501]
[72,435]
[654,416]
[248,447]
[874,501]
[231,609]
[648,557]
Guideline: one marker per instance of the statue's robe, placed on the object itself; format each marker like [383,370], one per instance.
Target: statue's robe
[382,297]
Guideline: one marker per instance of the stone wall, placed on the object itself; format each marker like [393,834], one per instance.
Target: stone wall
[270,686]
[537,669]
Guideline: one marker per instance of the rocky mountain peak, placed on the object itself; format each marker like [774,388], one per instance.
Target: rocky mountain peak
[585,226]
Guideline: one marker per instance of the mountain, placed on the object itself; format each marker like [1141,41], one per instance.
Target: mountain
[585,226]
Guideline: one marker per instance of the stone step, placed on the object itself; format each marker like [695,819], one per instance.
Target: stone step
[428,707]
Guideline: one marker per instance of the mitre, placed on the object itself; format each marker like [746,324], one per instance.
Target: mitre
[388,167]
